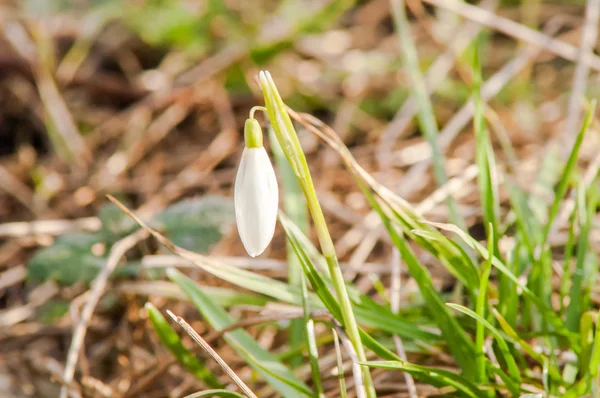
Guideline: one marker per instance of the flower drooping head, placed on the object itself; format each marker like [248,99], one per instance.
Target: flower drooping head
[256,195]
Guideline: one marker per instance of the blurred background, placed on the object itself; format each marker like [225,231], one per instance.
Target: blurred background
[146,99]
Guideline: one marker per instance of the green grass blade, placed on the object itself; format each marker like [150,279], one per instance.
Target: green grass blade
[565,178]
[311,341]
[565,282]
[595,357]
[453,257]
[265,363]
[172,342]
[525,346]
[426,116]
[488,191]
[295,208]
[586,213]
[511,364]
[480,307]
[586,337]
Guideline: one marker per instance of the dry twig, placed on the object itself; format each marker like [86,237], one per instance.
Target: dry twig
[118,250]
[206,347]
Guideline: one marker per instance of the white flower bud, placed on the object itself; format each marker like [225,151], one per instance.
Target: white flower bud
[256,199]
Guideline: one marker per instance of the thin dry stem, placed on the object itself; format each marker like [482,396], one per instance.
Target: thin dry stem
[516,30]
[206,347]
[118,250]
[589,35]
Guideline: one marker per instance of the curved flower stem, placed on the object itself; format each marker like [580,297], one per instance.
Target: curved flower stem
[288,139]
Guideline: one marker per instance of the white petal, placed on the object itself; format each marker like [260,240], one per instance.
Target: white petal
[256,199]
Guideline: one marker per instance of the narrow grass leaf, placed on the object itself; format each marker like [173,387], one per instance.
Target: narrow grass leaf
[511,364]
[525,346]
[488,190]
[481,305]
[586,213]
[586,337]
[295,208]
[309,336]
[567,172]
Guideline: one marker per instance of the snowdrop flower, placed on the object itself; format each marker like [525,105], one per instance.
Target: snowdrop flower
[256,195]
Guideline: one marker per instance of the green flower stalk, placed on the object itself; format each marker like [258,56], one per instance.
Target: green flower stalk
[288,139]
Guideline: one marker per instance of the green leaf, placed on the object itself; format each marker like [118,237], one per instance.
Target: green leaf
[595,356]
[565,178]
[481,306]
[576,307]
[267,365]
[295,206]
[69,260]
[115,223]
[488,190]
[196,224]
[51,311]
[171,340]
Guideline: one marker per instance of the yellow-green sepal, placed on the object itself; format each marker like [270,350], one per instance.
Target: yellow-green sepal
[253,134]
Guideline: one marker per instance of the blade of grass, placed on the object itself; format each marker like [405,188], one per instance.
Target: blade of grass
[480,307]
[586,337]
[565,178]
[541,359]
[511,365]
[310,340]
[293,203]
[541,270]
[171,340]
[586,213]
[595,356]
[273,371]
[488,190]
[568,258]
